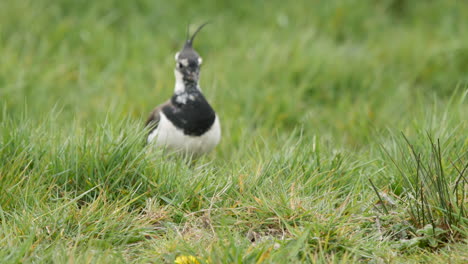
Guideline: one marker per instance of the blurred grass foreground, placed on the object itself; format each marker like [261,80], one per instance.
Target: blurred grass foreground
[344,132]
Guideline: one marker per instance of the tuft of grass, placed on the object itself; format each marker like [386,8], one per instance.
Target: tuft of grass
[433,188]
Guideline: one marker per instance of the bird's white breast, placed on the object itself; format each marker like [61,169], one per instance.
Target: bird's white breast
[168,136]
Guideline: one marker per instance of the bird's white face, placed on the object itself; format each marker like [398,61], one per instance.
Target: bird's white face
[187,71]
[188,64]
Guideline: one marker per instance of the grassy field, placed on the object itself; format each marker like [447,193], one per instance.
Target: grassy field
[344,125]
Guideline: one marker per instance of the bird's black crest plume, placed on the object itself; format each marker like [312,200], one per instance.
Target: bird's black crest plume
[189,41]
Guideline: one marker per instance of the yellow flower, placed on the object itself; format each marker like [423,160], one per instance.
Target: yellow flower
[186,260]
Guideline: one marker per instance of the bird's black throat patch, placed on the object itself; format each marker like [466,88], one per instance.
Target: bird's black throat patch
[194,116]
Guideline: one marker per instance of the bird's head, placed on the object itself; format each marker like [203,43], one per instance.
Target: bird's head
[188,62]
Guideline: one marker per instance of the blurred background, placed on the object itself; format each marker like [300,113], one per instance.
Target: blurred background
[337,67]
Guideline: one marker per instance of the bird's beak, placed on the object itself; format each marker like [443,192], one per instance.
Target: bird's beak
[193,76]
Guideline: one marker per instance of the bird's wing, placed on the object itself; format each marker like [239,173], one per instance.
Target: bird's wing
[154,117]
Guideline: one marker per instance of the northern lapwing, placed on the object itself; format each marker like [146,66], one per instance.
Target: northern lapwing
[186,123]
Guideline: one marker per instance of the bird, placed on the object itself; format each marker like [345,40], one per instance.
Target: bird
[186,123]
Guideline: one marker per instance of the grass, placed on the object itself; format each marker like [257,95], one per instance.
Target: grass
[313,98]
[433,193]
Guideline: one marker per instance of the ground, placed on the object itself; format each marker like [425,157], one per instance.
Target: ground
[316,101]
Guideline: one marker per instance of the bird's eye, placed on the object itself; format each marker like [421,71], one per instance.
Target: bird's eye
[180,65]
